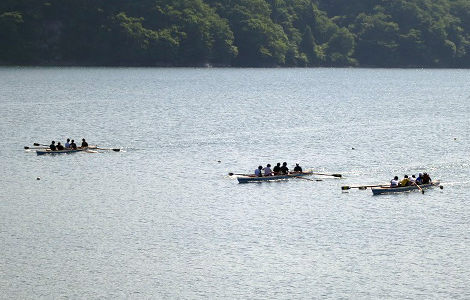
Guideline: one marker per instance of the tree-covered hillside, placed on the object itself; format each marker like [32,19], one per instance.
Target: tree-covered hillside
[255,33]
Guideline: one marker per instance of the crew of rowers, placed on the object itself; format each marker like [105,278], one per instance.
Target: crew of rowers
[277,170]
[423,178]
[69,145]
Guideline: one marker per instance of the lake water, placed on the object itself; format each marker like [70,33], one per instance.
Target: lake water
[162,219]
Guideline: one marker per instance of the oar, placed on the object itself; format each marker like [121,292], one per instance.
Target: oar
[231,174]
[114,149]
[334,175]
[31,148]
[298,177]
[422,191]
[37,147]
[361,187]
[36,144]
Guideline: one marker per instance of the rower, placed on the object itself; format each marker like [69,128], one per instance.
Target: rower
[419,180]
[73,145]
[405,181]
[284,168]
[52,146]
[84,143]
[59,146]
[267,170]
[297,168]
[258,172]
[394,182]
[67,144]
[277,169]
[426,178]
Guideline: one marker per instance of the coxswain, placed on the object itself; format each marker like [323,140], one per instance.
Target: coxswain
[84,143]
[73,145]
[59,146]
[277,169]
[284,168]
[267,170]
[67,144]
[258,172]
[297,168]
[394,182]
[52,146]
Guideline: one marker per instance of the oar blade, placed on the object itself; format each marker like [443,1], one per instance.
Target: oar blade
[231,174]
[108,149]
[298,177]
[323,174]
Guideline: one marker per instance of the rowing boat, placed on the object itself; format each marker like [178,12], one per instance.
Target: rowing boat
[65,151]
[400,189]
[253,178]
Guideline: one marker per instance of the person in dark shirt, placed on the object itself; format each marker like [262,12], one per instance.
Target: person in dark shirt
[297,168]
[52,146]
[284,168]
[73,145]
[277,169]
[59,146]
[426,178]
[84,143]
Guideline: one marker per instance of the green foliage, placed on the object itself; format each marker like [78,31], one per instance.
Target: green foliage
[340,48]
[267,33]
[376,39]
[10,35]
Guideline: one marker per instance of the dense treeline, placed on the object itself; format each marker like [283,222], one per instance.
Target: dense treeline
[379,33]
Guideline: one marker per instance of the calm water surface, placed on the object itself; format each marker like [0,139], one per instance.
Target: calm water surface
[162,220]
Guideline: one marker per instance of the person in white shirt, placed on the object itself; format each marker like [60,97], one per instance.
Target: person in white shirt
[268,171]
[67,144]
[258,172]
[394,182]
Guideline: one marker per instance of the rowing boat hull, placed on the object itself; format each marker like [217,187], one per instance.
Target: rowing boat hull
[48,151]
[42,152]
[390,190]
[246,179]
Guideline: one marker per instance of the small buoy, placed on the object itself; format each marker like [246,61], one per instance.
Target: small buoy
[39,178]
[441,187]
[219,161]
[353,148]
[455,139]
